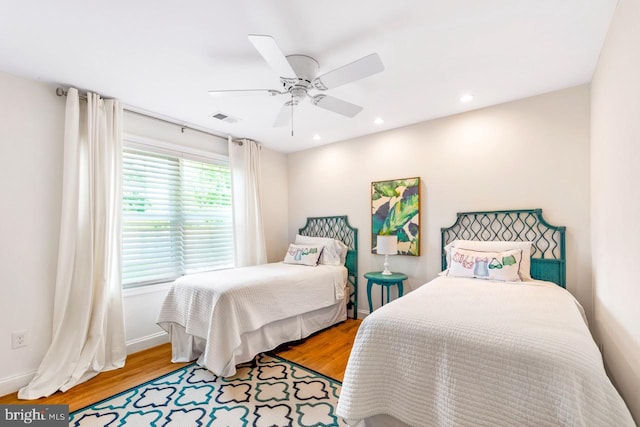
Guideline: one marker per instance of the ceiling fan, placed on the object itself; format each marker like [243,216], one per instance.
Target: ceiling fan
[299,75]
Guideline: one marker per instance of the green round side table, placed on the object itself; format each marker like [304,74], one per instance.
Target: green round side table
[377,278]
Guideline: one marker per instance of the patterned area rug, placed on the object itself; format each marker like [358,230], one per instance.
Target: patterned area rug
[275,392]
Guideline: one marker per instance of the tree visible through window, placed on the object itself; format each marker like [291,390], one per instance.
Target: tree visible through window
[176,217]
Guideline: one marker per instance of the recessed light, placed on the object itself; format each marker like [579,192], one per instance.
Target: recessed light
[316,137]
[378,121]
[467,97]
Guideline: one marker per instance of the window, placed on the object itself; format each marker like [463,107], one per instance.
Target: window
[176,216]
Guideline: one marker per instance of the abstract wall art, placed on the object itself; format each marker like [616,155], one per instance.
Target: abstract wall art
[395,210]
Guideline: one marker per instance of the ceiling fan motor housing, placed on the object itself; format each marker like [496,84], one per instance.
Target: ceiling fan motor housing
[306,69]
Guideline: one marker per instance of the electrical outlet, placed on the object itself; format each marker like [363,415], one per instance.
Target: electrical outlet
[19,339]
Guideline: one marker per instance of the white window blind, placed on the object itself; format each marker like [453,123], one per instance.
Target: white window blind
[177,217]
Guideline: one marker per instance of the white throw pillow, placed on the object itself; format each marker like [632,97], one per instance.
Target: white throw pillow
[334,252]
[502,266]
[303,254]
[496,246]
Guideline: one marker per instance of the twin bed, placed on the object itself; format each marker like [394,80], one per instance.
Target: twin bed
[226,317]
[484,344]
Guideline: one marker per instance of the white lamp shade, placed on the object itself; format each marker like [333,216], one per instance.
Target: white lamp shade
[387,245]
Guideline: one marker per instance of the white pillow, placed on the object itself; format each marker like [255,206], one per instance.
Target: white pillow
[343,251]
[497,246]
[334,253]
[303,254]
[502,266]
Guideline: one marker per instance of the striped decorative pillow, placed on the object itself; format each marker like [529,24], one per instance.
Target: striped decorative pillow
[501,266]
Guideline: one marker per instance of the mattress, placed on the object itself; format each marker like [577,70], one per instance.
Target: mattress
[468,352]
[222,308]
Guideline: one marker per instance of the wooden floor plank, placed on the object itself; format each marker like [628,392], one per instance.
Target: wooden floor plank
[326,352]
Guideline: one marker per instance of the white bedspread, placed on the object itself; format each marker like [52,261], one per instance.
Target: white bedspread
[222,305]
[465,352]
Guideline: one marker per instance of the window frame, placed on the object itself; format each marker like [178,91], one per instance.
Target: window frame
[155,146]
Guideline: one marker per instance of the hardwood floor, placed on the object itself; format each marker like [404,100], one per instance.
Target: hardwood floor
[139,368]
[326,352]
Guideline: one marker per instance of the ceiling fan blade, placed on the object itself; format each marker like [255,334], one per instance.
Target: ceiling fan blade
[245,92]
[283,117]
[336,105]
[267,47]
[363,67]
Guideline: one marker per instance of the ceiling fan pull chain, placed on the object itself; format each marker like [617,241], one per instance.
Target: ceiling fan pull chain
[291,114]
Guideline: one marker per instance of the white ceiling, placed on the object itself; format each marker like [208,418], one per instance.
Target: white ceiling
[163,55]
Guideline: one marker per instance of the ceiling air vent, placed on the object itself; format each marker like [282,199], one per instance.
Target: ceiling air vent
[225,118]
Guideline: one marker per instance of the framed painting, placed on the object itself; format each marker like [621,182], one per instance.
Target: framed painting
[395,210]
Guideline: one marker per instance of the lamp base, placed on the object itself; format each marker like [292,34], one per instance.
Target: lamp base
[386,271]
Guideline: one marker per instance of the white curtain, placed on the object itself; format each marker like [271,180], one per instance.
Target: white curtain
[88,325]
[250,248]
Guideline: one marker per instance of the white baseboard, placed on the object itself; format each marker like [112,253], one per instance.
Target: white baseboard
[147,341]
[362,314]
[12,384]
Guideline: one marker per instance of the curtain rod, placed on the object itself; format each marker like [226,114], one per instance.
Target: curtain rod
[61,92]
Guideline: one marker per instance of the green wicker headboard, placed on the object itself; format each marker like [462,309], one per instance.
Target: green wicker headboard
[337,227]
[548,260]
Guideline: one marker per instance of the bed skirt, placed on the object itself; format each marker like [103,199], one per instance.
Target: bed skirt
[186,347]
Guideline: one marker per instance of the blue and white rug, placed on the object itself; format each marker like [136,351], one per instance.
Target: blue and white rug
[275,392]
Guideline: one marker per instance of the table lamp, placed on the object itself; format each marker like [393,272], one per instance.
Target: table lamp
[387,245]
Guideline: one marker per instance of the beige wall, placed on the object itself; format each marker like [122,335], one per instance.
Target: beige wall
[531,153]
[31,135]
[615,201]
[148,127]
[274,203]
